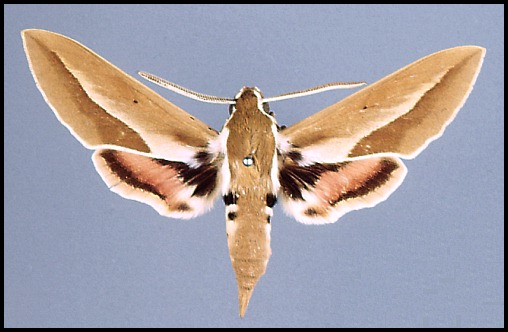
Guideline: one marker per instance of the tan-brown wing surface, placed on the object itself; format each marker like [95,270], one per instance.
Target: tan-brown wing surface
[401,113]
[103,107]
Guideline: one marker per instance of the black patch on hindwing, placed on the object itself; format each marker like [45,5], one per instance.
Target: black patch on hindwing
[204,177]
[294,178]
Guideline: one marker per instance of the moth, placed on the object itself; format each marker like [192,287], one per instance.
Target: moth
[345,157]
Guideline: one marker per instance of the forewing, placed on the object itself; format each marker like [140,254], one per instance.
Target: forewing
[400,114]
[103,107]
[346,157]
[174,189]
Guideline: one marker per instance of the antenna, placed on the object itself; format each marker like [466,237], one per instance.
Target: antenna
[221,100]
[316,89]
[184,91]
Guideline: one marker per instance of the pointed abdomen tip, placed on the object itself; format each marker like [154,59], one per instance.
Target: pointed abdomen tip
[243,299]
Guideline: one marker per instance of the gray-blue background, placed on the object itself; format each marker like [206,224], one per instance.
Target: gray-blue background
[77,254]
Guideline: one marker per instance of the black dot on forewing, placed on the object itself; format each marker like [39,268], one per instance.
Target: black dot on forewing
[295,155]
[231,215]
[202,157]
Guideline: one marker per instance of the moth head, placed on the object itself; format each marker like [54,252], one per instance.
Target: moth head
[246,91]
[249,98]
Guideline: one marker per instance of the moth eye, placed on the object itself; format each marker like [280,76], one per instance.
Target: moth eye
[248,161]
[266,108]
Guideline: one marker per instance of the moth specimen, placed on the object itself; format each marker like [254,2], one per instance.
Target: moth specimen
[343,158]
